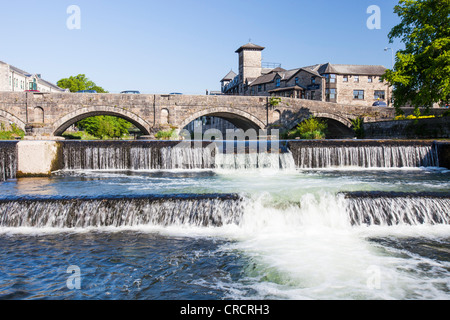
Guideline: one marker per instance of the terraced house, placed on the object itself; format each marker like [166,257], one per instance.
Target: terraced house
[346,84]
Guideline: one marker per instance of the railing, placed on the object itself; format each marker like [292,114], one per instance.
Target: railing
[270,65]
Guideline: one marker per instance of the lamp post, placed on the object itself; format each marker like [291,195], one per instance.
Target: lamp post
[392,51]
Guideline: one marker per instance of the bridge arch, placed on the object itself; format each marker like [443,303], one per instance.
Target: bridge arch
[338,126]
[11,118]
[241,119]
[73,117]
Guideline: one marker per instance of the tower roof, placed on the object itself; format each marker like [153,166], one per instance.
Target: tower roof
[250,46]
[230,76]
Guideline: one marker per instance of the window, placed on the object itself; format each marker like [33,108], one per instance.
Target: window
[278,82]
[296,80]
[358,94]
[259,88]
[330,94]
[313,80]
[313,93]
[345,78]
[370,79]
[380,79]
[356,78]
[380,94]
[332,78]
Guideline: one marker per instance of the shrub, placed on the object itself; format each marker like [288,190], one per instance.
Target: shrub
[311,129]
[358,128]
[166,135]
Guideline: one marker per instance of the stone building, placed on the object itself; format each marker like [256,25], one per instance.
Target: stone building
[347,84]
[13,79]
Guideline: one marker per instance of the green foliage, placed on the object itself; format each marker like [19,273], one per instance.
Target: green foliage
[358,128]
[311,129]
[274,101]
[105,127]
[12,134]
[421,72]
[166,134]
[78,83]
[80,135]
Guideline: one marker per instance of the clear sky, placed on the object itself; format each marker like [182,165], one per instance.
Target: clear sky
[186,46]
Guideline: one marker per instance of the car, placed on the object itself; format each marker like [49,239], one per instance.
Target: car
[175,93]
[380,104]
[87,91]
[32,91]
[131,92]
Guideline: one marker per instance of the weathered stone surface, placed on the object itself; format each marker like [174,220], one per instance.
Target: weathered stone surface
[434,128]
[51,114]
[37,158]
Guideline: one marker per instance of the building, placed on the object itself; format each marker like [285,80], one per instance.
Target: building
[346,84]
[14,79]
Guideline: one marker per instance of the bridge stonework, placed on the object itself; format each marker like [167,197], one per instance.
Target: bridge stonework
[49,115]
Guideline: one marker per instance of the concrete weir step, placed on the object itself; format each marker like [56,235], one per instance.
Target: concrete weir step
[37,158]
[41,158]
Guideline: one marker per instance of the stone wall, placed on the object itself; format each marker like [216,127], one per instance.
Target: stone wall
[58,111]
[443,149]
[435,128]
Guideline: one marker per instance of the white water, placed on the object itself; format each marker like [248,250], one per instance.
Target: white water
[367,157]
[297,230]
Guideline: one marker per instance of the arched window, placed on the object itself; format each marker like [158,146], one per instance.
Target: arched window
[38,115]
[276,116]
[164,116]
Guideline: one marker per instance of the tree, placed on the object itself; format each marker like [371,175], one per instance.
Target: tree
[421,74]
[105,126]
[78,83]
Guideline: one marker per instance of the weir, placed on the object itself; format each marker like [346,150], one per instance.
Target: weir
[8,160]
[364,154]
[41,158]
[136,155]
[207,210]
[84,212]
[388,208]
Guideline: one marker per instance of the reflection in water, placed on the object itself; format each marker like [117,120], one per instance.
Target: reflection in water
[34,186]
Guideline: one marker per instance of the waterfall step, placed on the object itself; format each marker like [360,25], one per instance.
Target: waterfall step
[395,208]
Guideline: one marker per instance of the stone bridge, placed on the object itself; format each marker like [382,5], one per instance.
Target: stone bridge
[49,115]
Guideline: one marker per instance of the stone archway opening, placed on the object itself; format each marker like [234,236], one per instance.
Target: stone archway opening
[136,128]
[220,121]
[336,128]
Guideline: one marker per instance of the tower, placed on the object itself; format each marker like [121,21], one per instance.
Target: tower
[250,57]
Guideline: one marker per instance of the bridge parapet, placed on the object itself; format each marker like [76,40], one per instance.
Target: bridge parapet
[49,114]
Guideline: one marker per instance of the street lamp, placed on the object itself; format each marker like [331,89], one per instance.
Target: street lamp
[387,49]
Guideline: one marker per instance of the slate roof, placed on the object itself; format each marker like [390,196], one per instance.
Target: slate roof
[351,69]
[250,46]
[230,76]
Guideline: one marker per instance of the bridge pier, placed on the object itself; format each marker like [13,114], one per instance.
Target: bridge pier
[40,131]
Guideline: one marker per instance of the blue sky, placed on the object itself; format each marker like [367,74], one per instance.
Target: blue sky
[186,45]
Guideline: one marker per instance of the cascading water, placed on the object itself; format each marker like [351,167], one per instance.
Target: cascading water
[375,154]
[140,228]
[88,212]
[387,209]
[136,155]
[8,160]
